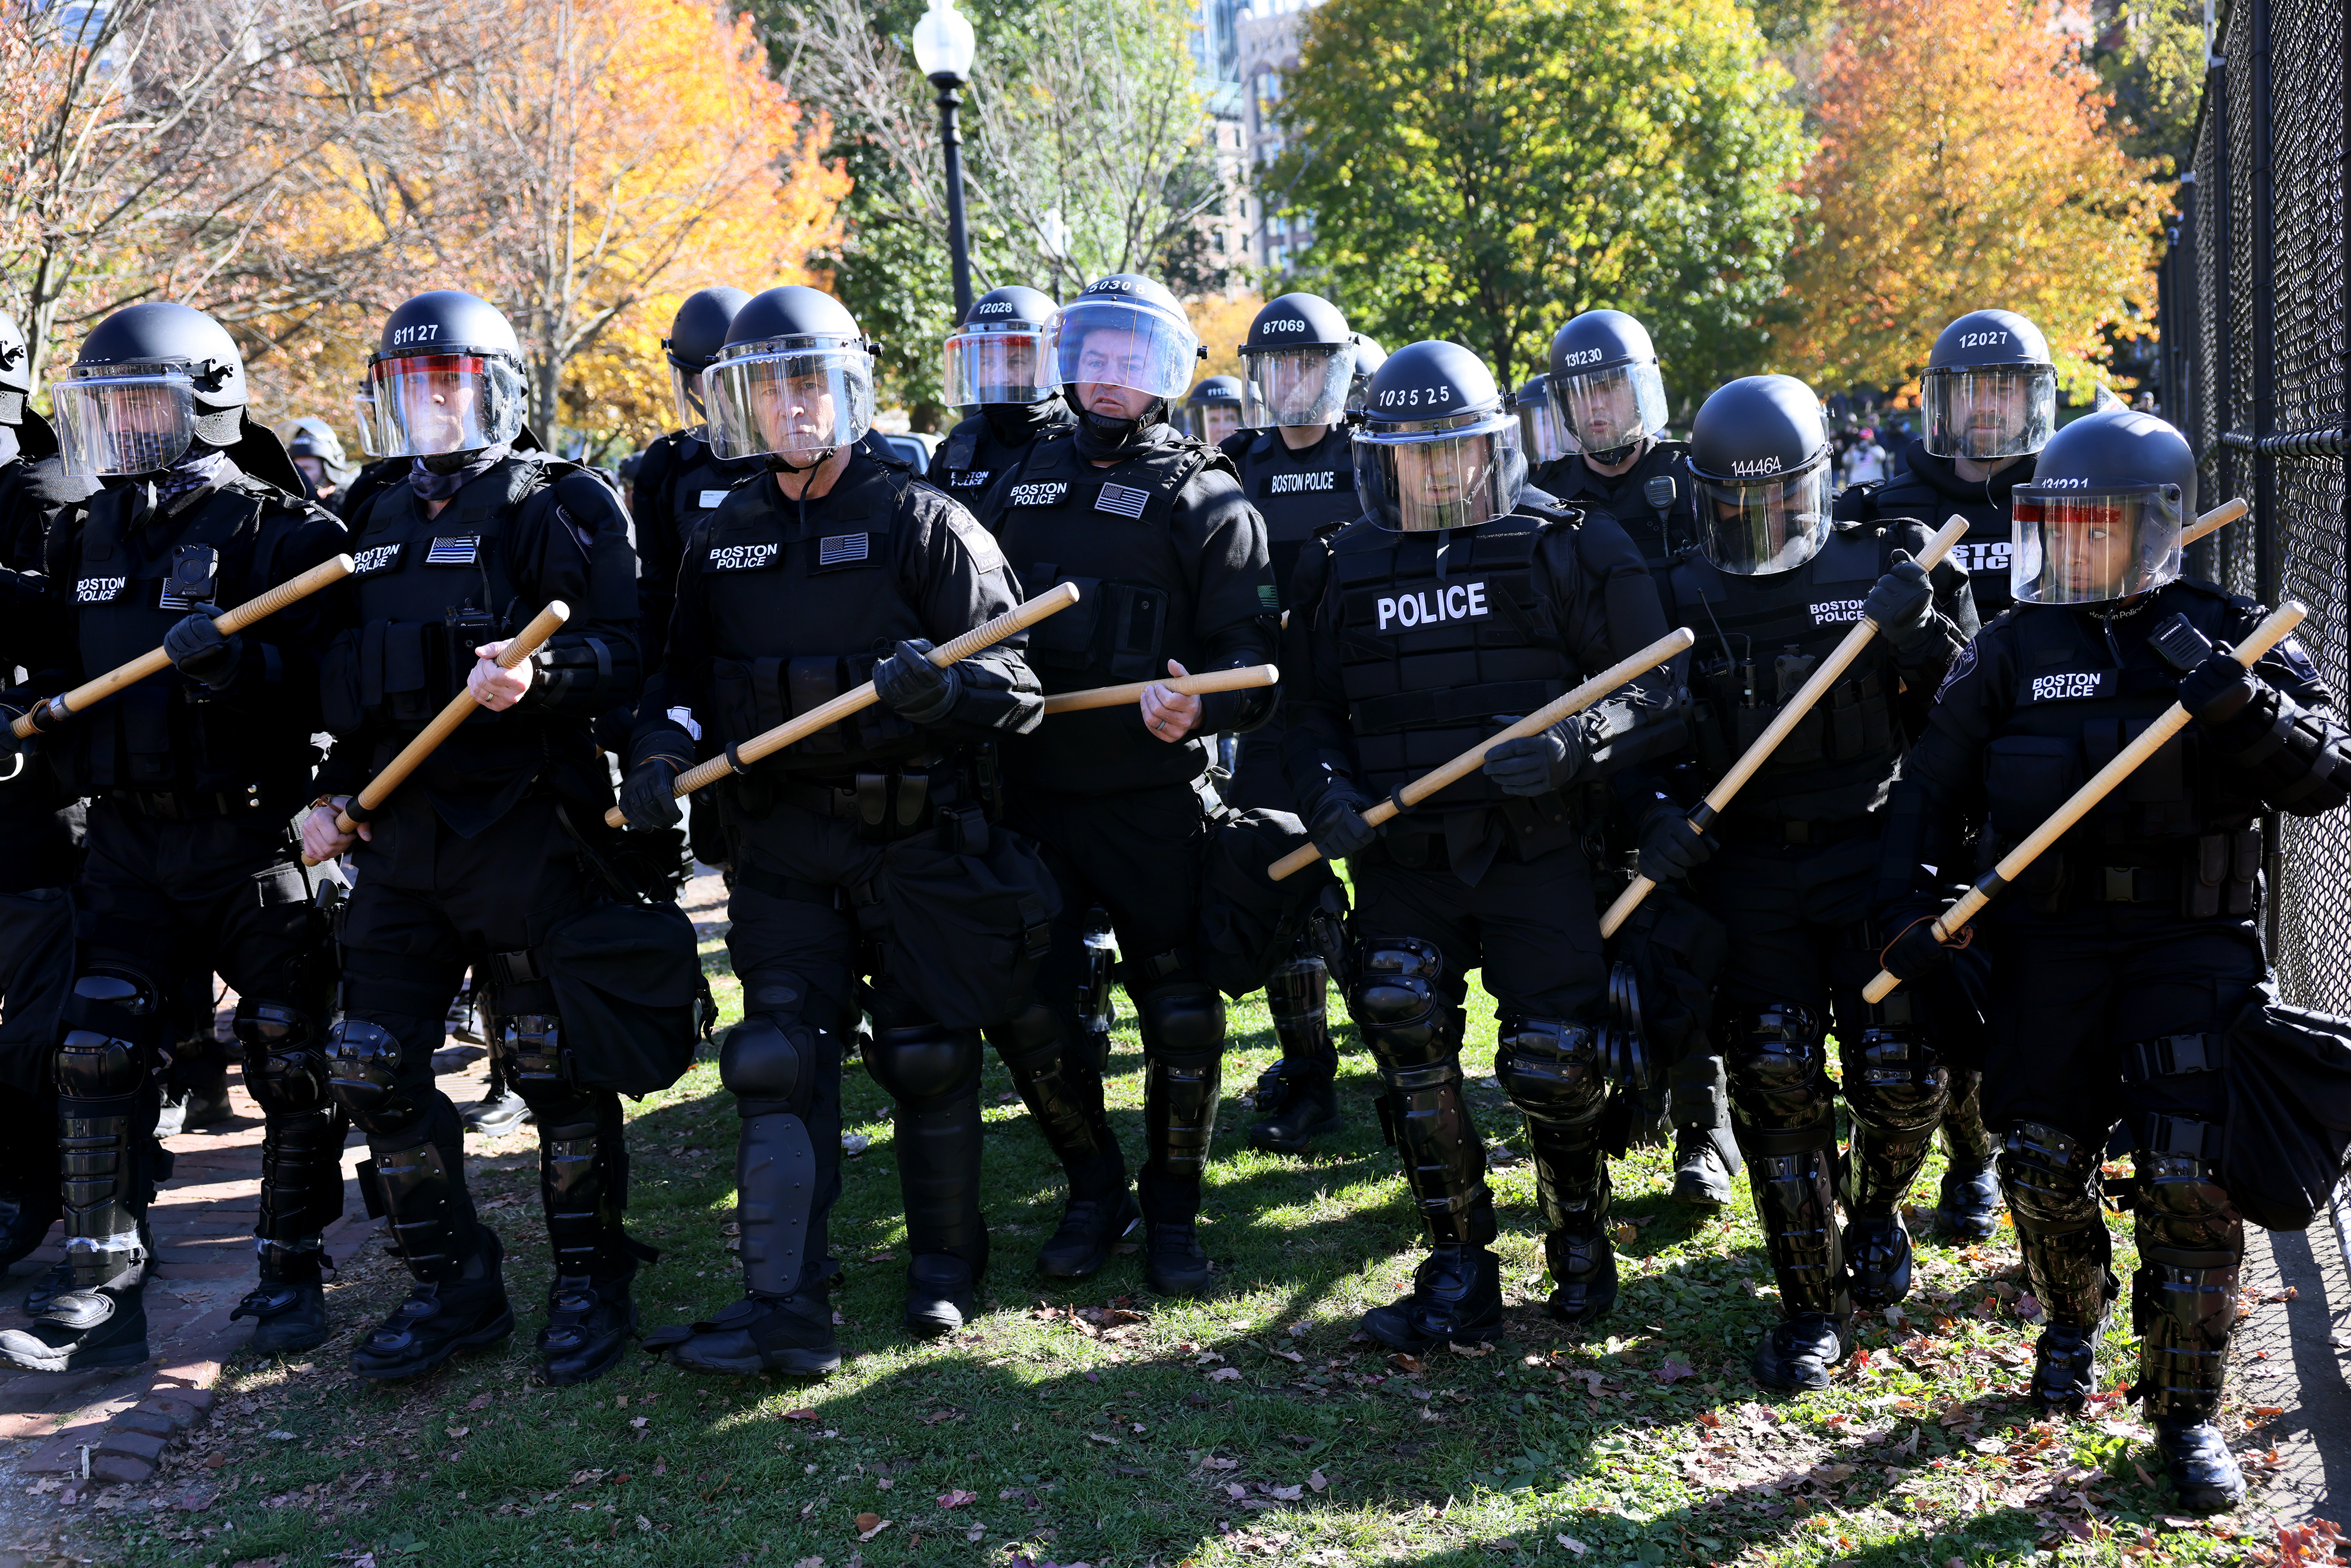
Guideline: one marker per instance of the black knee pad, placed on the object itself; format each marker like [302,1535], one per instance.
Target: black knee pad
[1896,1082]
[2051,1179]
[770,1064]
[363,1060]
[1396,1003]
[285,1062]
[1778,1067]
[113,1022]
[1186,1019]
[2181,1202]
[1551,1070]
[1034,1035]
[925,1064]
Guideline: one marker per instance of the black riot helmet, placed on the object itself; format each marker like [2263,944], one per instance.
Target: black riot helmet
[1437,448]
[794,384]
[1540,435]
[696,333]
[447,377]
[2101,519]
[1606,384]
[997,355]
[1125,331]
[1213,411]
[151,382]
[1296,365]
[1989,389]
[312,437]
[1369,357]
[1759,458]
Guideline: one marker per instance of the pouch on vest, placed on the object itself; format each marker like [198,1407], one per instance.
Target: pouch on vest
[2027,777]
[2286,1139]
[626,979]
[1249,921]
[970,908]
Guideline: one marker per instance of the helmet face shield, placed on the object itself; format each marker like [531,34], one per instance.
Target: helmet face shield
[685,392]
[1601,411]
[1109,342]
[800,399]
[1440,473]
[996,361]
[2091,547]
[1766,525]
[1212,422]
[2004,410]
[1542,435]
[1295,386]
[126,419]
[428,404]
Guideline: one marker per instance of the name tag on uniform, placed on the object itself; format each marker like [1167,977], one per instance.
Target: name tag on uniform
[840,550]
[968,478]
[1836,612]
[1045,493]
[1308,483]
[711,499]
[99,590]
[459,552]
[744,558]
[1460,601]
[1123,499]
[374,559]
[2068,686]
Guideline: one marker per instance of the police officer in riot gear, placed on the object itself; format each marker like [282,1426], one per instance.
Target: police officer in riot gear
[1461,598]
[318,452]
[1772,590]
[1295,468]
[840,568]
[474,859]
[1369,357]
[2120,957]
[1212,413]
[1988,402]
[995,368]
[1154,530]
[193,776]
[1607,415]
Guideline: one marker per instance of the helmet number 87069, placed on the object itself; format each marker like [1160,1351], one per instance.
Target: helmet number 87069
[1413,397]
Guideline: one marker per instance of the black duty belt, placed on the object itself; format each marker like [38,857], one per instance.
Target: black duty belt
[172,806]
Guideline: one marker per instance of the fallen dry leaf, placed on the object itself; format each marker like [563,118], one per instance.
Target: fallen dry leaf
[1472,1351]
[1225,1375]
[1674,1370]
[957,1498]
[871,1525]
[1214,1463]
[799,1415]
[480,1401]
[1572,1545]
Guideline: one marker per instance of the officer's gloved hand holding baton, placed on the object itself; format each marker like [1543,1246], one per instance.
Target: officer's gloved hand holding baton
[1339,829]
[649,794]
[1537,764]
[200,650]
[1901,605]
[1825,674]
[1910,949]
[1671,845]
[912,688]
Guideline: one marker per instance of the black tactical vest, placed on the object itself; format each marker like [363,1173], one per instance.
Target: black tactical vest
[1442,636]
[697,482]
[797,619]
[975,457]
[1985,551]
[168,733]
[1759,639]
[2175,831]
[1299,494]
[1659,534]
[1106,530]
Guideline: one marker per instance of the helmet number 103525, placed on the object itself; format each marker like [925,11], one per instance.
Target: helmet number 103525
[1413,397]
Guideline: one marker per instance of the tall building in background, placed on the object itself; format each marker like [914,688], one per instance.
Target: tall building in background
[1267,51]
[1217,54]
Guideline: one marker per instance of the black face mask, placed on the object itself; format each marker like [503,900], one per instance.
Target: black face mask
[1103,440]
[442,475]
[1016,423]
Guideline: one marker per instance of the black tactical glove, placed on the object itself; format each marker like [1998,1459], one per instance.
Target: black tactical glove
[1670,847]
[1538,764]
[199,652]
[1912,952]
[1339,829]
[649,794]
[1902,606]
[911,686]
[2217,690]
[9,744]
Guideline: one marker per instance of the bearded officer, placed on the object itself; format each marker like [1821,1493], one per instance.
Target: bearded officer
[2122,954]
[1461,598]
[842,568]
[476,858]
[1988,401]
[1154,528]
[1293,460]
[193,776]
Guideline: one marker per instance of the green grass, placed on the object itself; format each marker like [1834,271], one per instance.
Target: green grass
[1250,1427]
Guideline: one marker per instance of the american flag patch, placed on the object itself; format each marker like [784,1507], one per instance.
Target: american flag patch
[1124,499]
[454,552]
[167,600]
[839,548]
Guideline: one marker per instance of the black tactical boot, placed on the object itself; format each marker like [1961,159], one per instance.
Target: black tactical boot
[589,1322]
[1081,1244]
[1173,1262]
[1877,1257]
[1583,1275]
[47,1287]
[1457,1299]
[942,1295]
[1968,1209]
[1798,1352]
[288,1306]
[2065,1368]
[441,1317]
[1059,1079]
[501,1109]
[791,1334]
[2184,1304]
[1297,1098]
[198,1101]
[1705,1159]
[83,1327]
[2202,1470]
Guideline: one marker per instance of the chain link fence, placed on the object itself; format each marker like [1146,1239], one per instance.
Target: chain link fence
[2253,313]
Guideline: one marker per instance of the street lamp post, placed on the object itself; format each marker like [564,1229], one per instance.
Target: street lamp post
[944,47]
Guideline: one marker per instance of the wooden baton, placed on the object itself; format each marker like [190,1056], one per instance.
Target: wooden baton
[2213,521]
[230,622]
[1827,674]
[1018,619]
[459,708]
[1242,679]
[1674,642]
[2267,635]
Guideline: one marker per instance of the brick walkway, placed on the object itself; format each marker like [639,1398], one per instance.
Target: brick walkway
[2291,1354]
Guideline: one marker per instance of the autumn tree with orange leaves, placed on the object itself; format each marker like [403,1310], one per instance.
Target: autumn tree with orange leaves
[1966,161]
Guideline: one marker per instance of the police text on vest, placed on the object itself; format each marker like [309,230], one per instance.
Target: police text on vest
[1462,601]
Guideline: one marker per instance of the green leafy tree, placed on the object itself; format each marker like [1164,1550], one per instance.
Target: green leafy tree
[1482,170]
